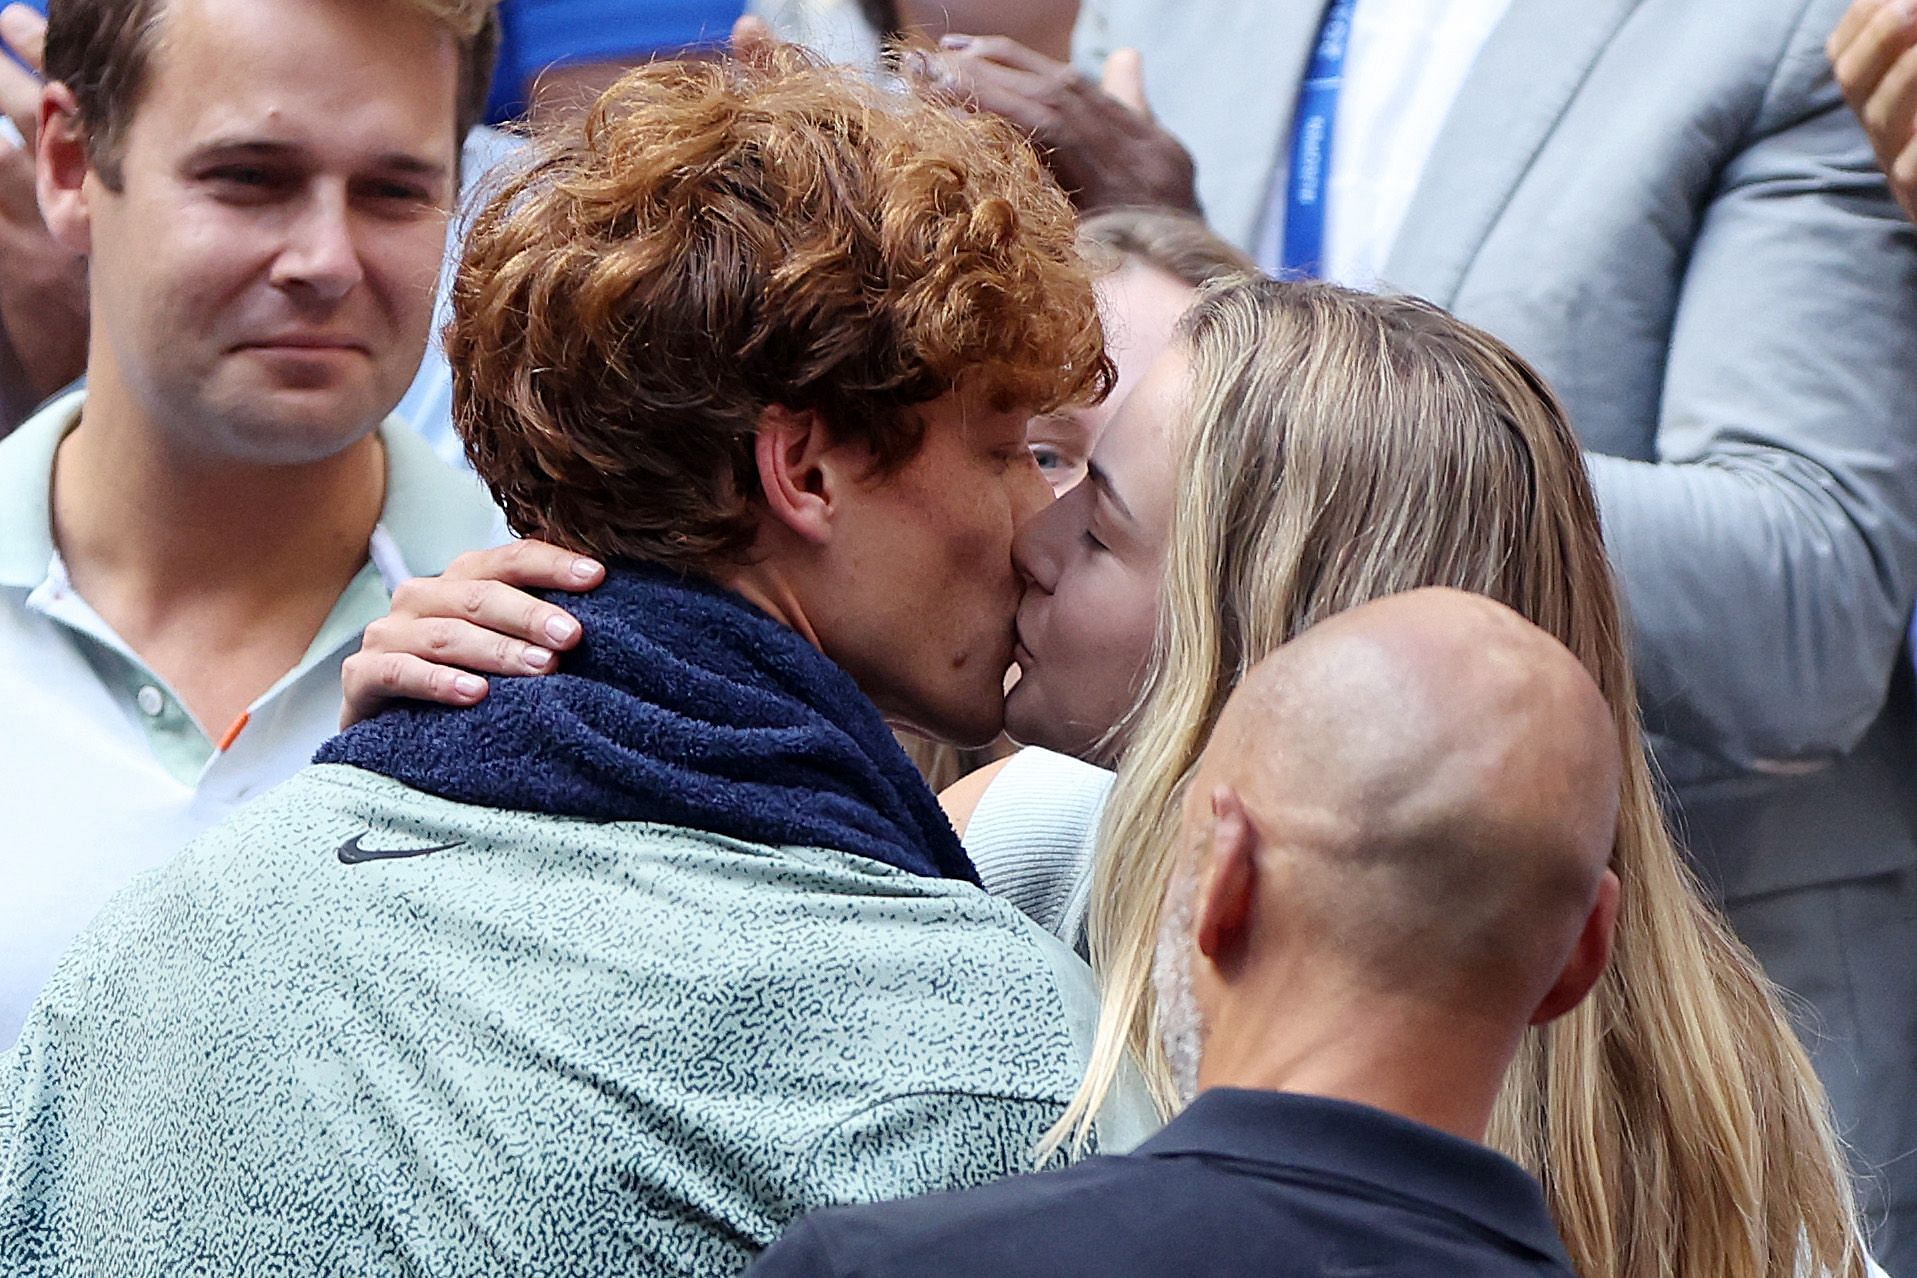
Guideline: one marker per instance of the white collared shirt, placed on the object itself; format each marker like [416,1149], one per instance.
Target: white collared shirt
[103,772]
[1405,62]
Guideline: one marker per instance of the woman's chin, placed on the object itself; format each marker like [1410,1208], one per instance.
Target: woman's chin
[1029,723]
[1023,722]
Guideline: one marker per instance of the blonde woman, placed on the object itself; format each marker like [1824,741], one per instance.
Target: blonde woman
[1341,448]
[1335,448]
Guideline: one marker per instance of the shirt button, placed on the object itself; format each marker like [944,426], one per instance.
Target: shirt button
[151,701]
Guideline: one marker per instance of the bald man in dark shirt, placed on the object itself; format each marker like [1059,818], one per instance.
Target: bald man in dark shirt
[1394,858]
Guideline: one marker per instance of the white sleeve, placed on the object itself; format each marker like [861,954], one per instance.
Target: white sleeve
[1033,834]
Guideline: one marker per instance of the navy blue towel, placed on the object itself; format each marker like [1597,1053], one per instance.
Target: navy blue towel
[684,705]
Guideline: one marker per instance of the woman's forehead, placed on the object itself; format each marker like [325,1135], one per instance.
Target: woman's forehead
[1148,424]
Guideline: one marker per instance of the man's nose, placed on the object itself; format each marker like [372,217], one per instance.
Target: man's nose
[1031,493]
[1034,546]
[321,256]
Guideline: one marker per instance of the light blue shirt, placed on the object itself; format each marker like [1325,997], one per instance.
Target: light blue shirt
[103,772]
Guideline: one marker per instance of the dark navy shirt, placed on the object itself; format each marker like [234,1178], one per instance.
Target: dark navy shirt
[1242,1182]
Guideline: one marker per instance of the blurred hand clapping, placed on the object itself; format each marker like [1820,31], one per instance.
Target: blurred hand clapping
[1099,139]
[1874,53]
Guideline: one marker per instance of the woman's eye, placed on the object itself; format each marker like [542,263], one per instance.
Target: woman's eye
[1047,457]
[1091,539]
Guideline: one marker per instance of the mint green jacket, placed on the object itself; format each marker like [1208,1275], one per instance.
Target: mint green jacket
[554,1047]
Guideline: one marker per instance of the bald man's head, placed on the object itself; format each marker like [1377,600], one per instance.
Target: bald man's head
[1416,798]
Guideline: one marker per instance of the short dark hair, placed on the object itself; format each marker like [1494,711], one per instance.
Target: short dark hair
[100,49]
[717,238]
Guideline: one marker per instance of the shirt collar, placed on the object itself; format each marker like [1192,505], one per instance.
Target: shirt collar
[26,491]
[1357,1142]
[433,513]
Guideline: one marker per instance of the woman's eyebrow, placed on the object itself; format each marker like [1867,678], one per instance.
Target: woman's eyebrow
[1103,482]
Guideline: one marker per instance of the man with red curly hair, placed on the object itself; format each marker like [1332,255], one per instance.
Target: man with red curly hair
[631,965]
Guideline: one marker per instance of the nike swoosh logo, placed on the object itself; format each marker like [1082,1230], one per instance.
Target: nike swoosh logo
[351,853]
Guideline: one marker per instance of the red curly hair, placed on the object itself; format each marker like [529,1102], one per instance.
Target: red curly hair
[718,237]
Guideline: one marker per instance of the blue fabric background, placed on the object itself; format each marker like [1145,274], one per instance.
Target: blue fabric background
[540,33]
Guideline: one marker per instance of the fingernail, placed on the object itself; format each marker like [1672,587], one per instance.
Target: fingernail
[537,658]
[469,685]
[561,629]
[955,41]
[583,569]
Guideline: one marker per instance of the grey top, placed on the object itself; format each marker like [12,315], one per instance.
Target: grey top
[1033,836]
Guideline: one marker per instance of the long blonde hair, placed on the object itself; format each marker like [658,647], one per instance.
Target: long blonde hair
[1344,447]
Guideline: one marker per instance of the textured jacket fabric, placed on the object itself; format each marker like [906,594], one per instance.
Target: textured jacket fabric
[1667,207]
[311,1045]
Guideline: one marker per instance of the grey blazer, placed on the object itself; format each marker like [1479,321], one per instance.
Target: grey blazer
[1665,205]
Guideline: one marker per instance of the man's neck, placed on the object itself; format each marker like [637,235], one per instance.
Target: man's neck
[1437,1069]
[766,588]
[217,573]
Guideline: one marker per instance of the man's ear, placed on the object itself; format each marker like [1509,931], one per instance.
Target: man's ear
[61,166]
[1588,956]
[1228,886]
[804,472]
[800,470]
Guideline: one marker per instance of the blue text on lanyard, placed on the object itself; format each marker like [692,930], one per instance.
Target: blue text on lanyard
[1313,126]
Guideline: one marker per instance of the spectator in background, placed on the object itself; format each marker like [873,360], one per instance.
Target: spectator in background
[1361,928]
[43,312]
[191,547]
[1675,218]
[625,969]
[556,55]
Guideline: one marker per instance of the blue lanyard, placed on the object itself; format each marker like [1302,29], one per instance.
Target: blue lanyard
[1312,129]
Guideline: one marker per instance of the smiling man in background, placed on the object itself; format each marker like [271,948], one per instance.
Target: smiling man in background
[191,546]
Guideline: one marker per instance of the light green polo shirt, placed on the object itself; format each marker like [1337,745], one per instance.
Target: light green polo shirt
[102,771]
[433,513]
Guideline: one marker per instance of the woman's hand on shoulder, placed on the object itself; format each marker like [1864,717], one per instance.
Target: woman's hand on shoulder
[444,633]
